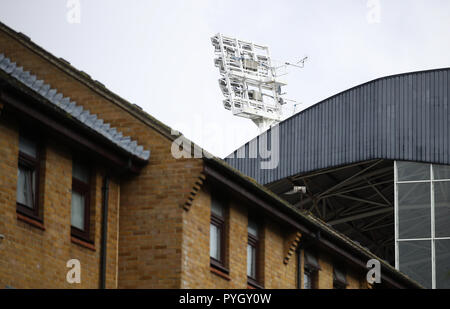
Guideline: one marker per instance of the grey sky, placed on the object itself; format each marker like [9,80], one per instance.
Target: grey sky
[158,54]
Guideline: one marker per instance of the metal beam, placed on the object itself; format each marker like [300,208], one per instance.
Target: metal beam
[360,216]
[327,171]
[349,178]
[359,188]
[357,206]
[362,200]
[379,193]
[324,194]
[382,172]
[375,222]
[358,236]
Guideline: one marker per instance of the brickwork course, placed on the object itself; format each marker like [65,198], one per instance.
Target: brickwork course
[158,218]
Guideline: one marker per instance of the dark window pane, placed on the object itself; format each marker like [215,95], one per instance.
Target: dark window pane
[415,260]
[413,171]
[311,261]
[442,208]
[339,278]
[27,146]
[252,228]
[414,210]
[217,208]
[442,264]
[80,172]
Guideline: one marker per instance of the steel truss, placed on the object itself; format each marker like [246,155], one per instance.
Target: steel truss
[357,200]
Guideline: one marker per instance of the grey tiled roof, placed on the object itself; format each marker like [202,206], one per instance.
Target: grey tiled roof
[70,107]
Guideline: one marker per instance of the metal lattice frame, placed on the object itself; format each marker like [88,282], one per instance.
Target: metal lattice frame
[356,200]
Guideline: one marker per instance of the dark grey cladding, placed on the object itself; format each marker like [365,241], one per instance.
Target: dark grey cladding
[400,117]
[77,111]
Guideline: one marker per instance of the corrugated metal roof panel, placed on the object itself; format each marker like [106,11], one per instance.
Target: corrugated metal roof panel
[400,117]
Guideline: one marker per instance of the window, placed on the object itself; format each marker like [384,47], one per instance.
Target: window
[422,229]
[28,178]
[217,232]
[310,272]
[80,211]
[339,278]
[252,252]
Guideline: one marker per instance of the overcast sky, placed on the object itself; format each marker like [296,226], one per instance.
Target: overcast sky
[158,54]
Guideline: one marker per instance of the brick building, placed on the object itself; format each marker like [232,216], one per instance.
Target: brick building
[86,175]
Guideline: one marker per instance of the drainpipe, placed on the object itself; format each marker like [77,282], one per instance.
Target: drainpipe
[105,193]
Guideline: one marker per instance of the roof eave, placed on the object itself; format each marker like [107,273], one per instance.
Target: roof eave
[19,99]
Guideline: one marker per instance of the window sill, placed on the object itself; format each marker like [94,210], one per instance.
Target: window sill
[252,284]
[33,222]
[219,273]
[82,243]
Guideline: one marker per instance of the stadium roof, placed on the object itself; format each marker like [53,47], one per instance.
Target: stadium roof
[399,117]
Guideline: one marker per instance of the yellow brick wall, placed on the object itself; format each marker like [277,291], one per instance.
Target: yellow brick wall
[278,275]
[151,224]
[35,258]
[150,215]
[196,271]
